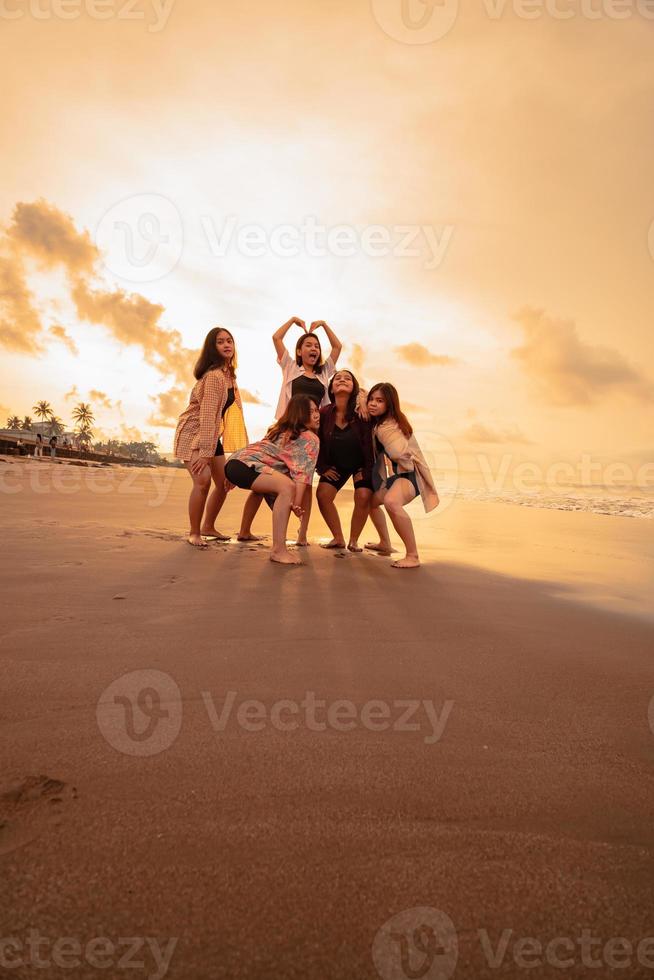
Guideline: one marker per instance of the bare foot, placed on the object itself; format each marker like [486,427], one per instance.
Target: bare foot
[353,546]
[196,541]
[302,544]
[379,548]
[214,535]
[333,544]
[411,561]
[285,558]
[250,537]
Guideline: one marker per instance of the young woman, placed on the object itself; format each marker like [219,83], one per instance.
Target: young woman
[281,464]
[395,441]
[346,450]
[38,448]
[303,374]
[210,426]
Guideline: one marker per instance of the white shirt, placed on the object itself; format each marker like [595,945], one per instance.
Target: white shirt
[292,370]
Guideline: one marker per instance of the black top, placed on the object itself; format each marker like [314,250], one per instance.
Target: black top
[308,386]
[345,451]
[231,398]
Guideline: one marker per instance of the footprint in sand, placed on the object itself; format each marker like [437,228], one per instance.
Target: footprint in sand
[173,580]
[31,808]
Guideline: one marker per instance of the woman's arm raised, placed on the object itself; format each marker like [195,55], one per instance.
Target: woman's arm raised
[337,346]
[278,336]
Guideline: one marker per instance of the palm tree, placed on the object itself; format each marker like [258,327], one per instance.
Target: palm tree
[56,426]
[13,422]
[83,415]
[26,424]
[85,435]
[43,410]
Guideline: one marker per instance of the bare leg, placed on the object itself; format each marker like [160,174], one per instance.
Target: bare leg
[307,502]
[384,547]
[215,500]
[284,488]
[401,493]
[360,514]
[326,495]
[250,510]
[196,502]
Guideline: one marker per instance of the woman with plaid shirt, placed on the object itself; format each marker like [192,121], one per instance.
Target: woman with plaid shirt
[211,425]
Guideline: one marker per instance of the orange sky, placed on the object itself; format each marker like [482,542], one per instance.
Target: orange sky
[522,147]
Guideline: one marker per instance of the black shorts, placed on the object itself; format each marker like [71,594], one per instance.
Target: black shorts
[411,477]
[362,483]
[240,474]
[219,449]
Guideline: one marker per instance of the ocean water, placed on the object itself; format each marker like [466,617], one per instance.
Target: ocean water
[626,500]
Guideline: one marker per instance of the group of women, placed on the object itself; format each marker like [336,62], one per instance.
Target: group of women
[324,421]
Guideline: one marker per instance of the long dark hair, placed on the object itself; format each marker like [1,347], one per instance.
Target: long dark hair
[393,410]
[352,400]
[295,419]
[210,358]
[298,350]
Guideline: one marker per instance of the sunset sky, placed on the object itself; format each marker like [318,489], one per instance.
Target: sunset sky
[525,147]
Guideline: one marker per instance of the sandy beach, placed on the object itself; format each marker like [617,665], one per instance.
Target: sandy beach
[471,738]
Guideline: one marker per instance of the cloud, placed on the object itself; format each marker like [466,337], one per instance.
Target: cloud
[20,326]
[61,334]
[41,232]
[419,356]
[134,320]
[50,236]
[100,398]
[411,407]
[248,398]
[168,406]
[357,358]
[569,371]
[478,432]
[72,394]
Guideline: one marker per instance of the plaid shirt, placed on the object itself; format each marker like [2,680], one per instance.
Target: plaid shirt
[201,424]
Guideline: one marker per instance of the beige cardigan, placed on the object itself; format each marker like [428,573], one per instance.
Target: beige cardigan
[408,456]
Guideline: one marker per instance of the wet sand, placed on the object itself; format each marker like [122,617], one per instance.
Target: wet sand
[521,798]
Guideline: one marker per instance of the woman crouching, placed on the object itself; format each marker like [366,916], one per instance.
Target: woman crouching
[410,476]
[282,465]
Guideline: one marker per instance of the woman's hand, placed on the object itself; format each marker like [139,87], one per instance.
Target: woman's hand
[314,326]
[361,407]
[332,473]
[198,464]
[297,509]
[297,321]
[228,486]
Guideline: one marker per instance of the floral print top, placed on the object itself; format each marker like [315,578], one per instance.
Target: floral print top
[296,458]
